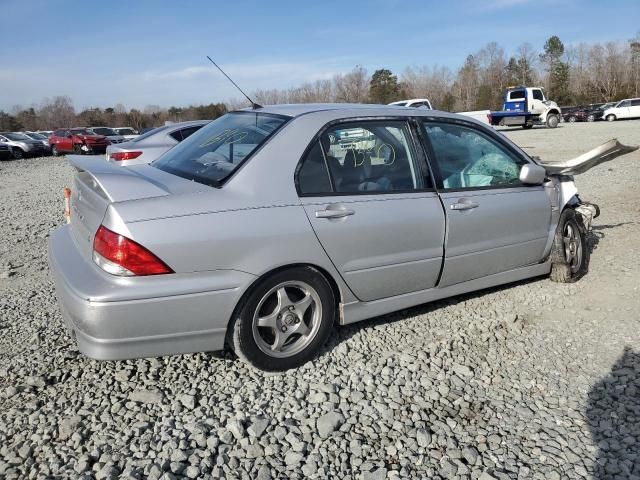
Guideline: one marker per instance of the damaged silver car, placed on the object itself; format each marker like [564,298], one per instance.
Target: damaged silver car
[268,227]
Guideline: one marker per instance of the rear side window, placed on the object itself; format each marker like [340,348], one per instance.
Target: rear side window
[184,133]
[467,158]
[360,158]
[313,176]
[517,95]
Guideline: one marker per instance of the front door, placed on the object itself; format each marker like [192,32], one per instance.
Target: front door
[536,104]
[65,143]
[373,208]
[494,223]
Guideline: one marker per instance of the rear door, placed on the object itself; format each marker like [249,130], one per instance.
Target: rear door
[494,223]
[634,109]
[623,110]
[373,207]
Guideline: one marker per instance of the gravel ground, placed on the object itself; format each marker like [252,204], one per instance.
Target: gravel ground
[532,380]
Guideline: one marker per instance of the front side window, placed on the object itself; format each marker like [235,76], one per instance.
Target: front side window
[623,103]
[361,157]
[216,150]
[183,133]
[467,158]
[537,95]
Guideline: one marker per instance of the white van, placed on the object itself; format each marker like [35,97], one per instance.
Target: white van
[629,108]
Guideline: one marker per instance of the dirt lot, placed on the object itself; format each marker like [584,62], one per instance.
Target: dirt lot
[532,380]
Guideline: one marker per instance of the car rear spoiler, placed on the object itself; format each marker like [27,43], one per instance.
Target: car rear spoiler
[575,166]
[114,182]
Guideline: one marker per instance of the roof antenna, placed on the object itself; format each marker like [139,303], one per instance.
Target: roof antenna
[254,105]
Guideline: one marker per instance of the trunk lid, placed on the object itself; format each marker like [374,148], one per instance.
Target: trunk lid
[98,184]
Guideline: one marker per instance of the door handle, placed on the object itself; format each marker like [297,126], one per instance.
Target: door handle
[334,213]
[464,205]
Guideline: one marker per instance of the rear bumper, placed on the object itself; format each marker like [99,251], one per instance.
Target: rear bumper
[114,318]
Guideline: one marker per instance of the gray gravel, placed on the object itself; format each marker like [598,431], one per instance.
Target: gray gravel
[533,380]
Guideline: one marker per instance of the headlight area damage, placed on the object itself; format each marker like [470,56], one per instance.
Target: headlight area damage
[561,173]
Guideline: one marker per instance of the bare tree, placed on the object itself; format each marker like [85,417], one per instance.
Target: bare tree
[352,87]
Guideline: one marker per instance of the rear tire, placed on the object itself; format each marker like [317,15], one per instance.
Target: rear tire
[591,118]
[569,253]
[552,121]
[611,118]
[18,153]
[285,320]
[572,119]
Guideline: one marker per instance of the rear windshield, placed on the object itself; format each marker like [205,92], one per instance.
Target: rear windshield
[212,153]
[147,134]
[107,132]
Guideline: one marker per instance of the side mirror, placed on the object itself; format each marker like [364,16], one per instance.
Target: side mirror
[532,174]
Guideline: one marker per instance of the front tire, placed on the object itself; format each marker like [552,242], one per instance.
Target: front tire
[591,118]
[285,320]
[552,121]
[611,118]
[572,119]
[18,153]
[54,151]
[569,253]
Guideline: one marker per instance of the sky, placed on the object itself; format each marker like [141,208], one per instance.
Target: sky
[146,52]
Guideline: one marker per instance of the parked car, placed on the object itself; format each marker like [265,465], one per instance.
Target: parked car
[127,132]
[257,231]
[46,133]
[628,108]
[147,147]
[597,112]
[21,145]
[415,103]
[77,140]
[575,114]
[113,136]
[5,152]
[42,139]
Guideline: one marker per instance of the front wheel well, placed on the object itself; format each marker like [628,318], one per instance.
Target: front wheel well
[334,287]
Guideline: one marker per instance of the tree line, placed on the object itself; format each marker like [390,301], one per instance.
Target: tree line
[586,73]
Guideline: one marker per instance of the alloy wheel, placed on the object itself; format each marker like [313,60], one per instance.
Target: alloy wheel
[287,319]
[572,242]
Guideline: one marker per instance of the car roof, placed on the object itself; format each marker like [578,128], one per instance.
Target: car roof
[348,109]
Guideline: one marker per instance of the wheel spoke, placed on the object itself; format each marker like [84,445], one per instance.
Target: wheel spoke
[302,305]
[269,320]
[283,299]
[303,329]
[281,338]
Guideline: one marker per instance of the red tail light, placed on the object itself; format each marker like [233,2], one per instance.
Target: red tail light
[118,156]
[118,255]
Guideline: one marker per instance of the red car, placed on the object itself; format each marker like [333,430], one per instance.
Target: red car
[77,140]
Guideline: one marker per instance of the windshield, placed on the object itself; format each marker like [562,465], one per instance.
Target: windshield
[81,131]
[212,153]
[125,131]
[16,136]
[37,136]
[107,132]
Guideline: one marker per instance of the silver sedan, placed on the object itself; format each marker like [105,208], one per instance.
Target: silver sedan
[149,146]
[267,228]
